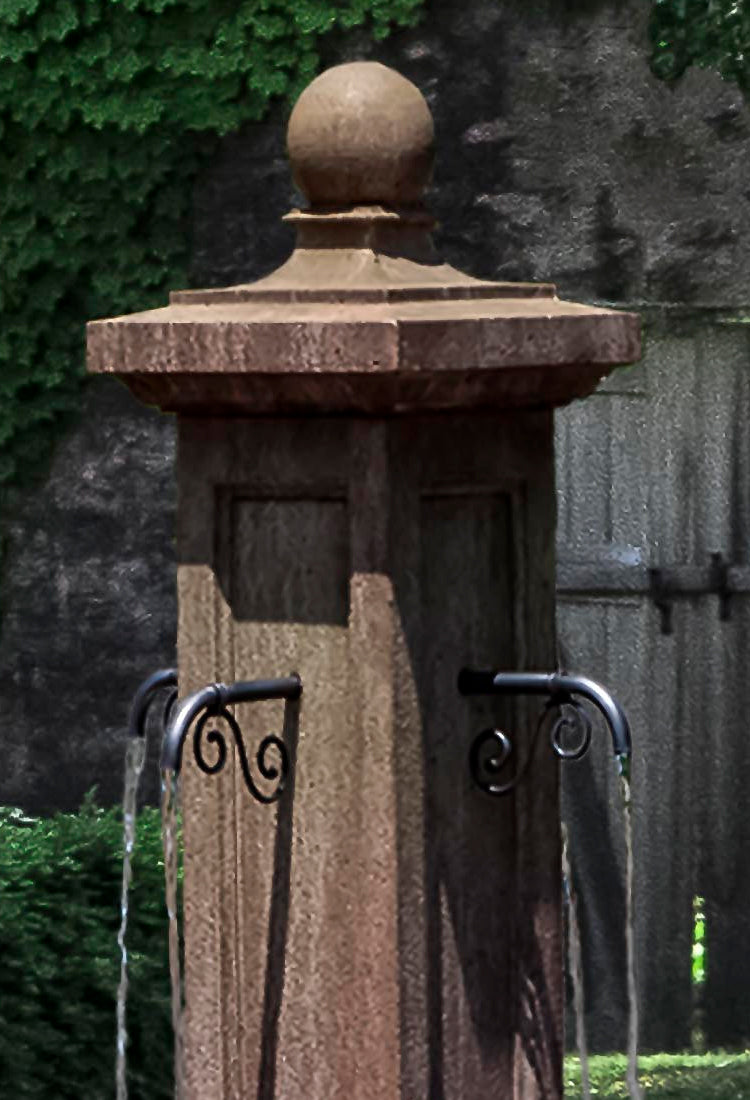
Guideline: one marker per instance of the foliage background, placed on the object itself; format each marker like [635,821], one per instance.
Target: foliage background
[712,34]
[107,109]
[59,916]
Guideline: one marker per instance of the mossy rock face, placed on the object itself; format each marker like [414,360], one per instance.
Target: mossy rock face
[108,109]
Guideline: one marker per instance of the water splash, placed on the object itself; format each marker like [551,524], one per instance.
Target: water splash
[575,963]
[135,756]
[169,841]
[634,1088]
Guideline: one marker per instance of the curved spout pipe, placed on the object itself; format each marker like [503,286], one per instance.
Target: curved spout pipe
[558,686]
[606,704]
[212,701]
[144,697]
[492,748]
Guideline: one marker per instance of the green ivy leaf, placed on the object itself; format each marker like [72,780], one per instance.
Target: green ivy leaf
[105,106]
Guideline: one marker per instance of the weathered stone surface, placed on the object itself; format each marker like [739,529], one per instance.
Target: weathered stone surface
[582,87]
[88,604]
[587,171]
[369,939]
[364,297]
[402,356]
[361,133]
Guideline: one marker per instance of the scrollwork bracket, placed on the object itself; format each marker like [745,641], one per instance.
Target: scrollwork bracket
[492,750]
[208,707]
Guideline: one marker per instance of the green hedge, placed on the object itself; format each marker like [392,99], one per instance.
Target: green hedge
[60,884]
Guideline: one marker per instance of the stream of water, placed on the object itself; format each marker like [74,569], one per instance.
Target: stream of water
[575,961]
[575,964]
[135,756]
[634,1088]
[169,841]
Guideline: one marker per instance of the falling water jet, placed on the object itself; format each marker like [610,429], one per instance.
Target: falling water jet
[634,1088]
[169,809]
[562,690]
[575,963]
[135,756]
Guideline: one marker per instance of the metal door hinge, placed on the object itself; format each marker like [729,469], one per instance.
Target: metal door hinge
[670,582]
[663,584]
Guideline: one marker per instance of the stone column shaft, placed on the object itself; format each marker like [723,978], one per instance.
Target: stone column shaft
[389,931]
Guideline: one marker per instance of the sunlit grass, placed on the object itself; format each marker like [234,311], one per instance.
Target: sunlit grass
[716,1076]
[699,941]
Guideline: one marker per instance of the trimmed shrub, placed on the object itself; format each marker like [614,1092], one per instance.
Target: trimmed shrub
[60,881]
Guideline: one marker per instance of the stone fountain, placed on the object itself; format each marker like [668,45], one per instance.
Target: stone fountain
[366,499]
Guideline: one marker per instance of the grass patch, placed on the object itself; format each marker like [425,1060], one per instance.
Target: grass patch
[716,1076]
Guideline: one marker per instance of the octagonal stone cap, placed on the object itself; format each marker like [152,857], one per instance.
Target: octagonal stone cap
[361,134]
[389,358]
[364,317]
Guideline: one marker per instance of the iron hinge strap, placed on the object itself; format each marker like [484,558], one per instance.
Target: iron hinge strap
[667,584]
[663,584]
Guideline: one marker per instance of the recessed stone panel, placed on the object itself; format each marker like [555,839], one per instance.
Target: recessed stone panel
[289,560]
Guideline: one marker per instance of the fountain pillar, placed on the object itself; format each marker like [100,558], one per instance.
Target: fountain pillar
[366,497]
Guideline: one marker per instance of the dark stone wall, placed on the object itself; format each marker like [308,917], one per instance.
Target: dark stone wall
[88,604]
[560,157]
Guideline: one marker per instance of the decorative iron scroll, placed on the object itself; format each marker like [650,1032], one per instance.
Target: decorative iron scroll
[570,731]
[208,707]
[216,738]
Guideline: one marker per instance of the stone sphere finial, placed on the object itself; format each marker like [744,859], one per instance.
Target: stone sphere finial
[361,134]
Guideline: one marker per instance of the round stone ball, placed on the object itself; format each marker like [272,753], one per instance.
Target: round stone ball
[361,134]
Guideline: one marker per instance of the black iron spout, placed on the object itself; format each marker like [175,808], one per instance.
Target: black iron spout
[145,696]
[558,687]
[492,748]
[211,702]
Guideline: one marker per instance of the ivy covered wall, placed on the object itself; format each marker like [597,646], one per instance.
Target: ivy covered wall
[107,109]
